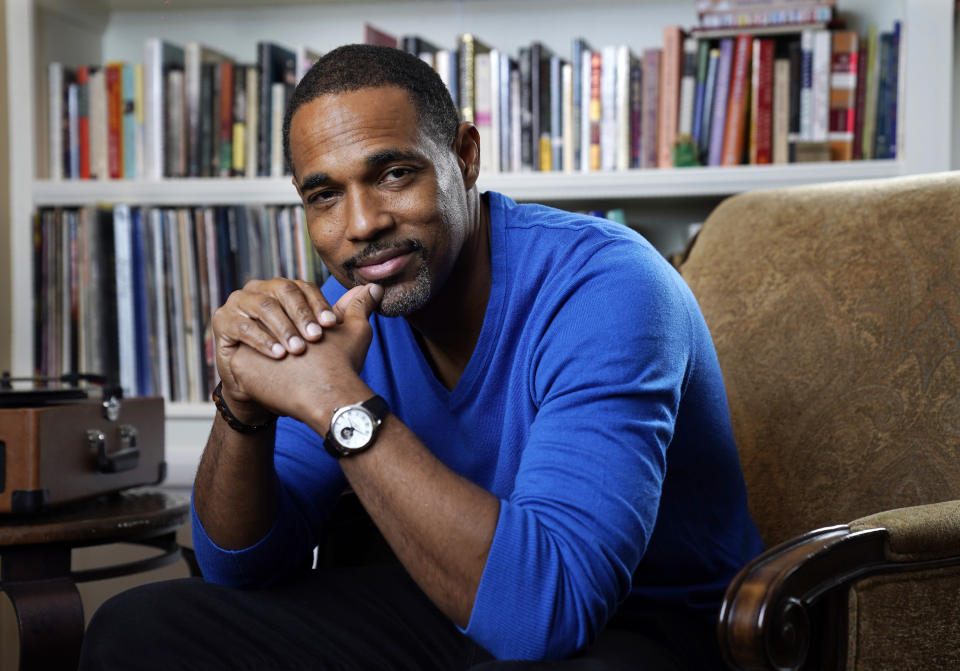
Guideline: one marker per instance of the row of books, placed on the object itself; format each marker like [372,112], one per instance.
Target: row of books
[186,111]
[809,94]
[130,292]
[721,14]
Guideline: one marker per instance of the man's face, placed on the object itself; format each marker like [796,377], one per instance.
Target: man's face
[384,204]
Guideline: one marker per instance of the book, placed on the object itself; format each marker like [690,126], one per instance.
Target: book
[781,111]
[483,108]
[209,131]
[238,140]
[469,46]
[651,106]
[275,65]
[688,87]
[861,101]
[700,91]
[516,114]
[509,113]
[586,126]
[822,55]
[636,113]
[140,116]
[843,94]
[129,135]
[55,103]
[608,107]
[224,118]
[496,89]
[539,102]
[596,109]
[871,94]
[72,138]
[794,134]
[157,278]
[252,122]
[424,49]
[305,59]
[556,114]
[194,55]
[721,97]
[881,148]
[114,79]
[671,69]
[624,61]
[895,91]
[126,309]
[83,119]
[567,136]
[97,93]
[174,125]
[142,326]
[526,109]
[709,95]
[160,57]
[806,85]
[579,87]
[761,102]
[738,103]
[373,35]
[278,95]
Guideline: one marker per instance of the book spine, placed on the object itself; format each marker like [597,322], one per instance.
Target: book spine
[822,55]
[671,68]
[467,75]
[526,109]
[174,130]
[264,134]
[73,131]
[688,88]
[737,105]
[191,76]
[843,95]
[608,107]
[596,109]
[781,110]
[556,113]
[57,116]
[123,258]
[861,101]
[253,122]
[225,116]
[881,148]
[795,54]
[895,92]
[577,86]
[703,68]
[516,114]
[636,113]
[567,135]
[709,95]
[873,88]
[762,140]
[495,90]
[651,105]
[278,99]
[586,129]
[153,96]
[114,76]
[543,151]
[83,119]
[98,125]
[483,109]
[721,97]
[238,149]
[806,85]
[622,117]
[129,135]
[139,147]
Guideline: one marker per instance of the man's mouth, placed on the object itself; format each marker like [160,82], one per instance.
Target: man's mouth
[379,265]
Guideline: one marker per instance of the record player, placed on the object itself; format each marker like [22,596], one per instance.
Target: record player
[73,437]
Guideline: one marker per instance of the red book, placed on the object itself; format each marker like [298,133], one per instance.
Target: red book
[114,78]
[668,115]
[372,35]
[225,132]
[843,95]
[761,105]
[734,136]
[83,119]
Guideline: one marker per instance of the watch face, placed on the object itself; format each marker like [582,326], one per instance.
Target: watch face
[352,428]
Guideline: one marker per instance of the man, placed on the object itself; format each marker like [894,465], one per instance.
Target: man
[533,418]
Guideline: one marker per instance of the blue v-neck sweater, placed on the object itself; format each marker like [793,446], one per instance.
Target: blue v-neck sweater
[593,407]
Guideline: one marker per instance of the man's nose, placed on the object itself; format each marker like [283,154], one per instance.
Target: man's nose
[366,217]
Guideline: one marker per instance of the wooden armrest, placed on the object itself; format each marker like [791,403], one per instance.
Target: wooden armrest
[787,609]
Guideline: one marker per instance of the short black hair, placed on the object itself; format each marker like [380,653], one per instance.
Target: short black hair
[356,66]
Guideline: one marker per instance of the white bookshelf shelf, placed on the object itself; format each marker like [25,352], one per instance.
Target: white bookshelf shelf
[555,187]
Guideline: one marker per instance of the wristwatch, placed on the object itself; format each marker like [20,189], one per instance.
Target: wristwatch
[353,428]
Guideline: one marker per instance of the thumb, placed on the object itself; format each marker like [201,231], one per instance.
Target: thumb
[364,302]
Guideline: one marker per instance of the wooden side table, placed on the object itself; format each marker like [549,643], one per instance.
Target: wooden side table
[36,574]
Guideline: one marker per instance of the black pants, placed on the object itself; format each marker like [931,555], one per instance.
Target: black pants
[356,618]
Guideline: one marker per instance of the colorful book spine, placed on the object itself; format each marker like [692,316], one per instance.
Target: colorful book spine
[699,101]
[781,110]
[671,70]
[709,95]
[721,97]
[881,149]
[822,55]
[83,120]
[861,97]
[895,92]
[636,114]
[737,105]
[596,108]
[225,120]
[688,88]
[586,102]
[843,95]
[129,132]
[651,104]
[608,127]
[114,77]
[872,94]
[761,124]
[806,85]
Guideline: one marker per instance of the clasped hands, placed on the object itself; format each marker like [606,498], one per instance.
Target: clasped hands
[281,348]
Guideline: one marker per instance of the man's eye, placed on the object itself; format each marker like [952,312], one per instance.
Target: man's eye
[396,174]
[321,196]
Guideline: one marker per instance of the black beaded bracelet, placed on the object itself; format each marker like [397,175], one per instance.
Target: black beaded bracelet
[231,420]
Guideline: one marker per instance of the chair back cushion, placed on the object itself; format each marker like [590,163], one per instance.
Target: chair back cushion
[835,310]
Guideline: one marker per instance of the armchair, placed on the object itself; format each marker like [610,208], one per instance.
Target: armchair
[835,310]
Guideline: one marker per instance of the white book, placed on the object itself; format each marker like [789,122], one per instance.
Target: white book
[126,328]
[178,344]
[608,114]
[442,66]
[73,131]
[495,132]
[516,152]
[482,109]
[688,87]
[505,107]
[278,94]
[585,125]
[157,56]
[193,339]
[97,92]
[55,103]
[622,112]
[566,80]
[806,86]
[822,56]
[253,122]
[781,110]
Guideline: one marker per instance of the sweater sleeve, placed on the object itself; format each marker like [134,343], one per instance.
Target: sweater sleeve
[308,482]
[606,378]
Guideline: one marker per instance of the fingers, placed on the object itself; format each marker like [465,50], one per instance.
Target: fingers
[360,301]
[273,317]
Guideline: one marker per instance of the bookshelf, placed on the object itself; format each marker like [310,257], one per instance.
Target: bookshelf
[658,202]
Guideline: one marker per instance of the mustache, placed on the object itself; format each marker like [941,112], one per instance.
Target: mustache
[406,246]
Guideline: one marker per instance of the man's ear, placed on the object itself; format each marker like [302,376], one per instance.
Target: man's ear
[467,148]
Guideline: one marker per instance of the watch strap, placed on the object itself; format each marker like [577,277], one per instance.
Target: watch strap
[377,407]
